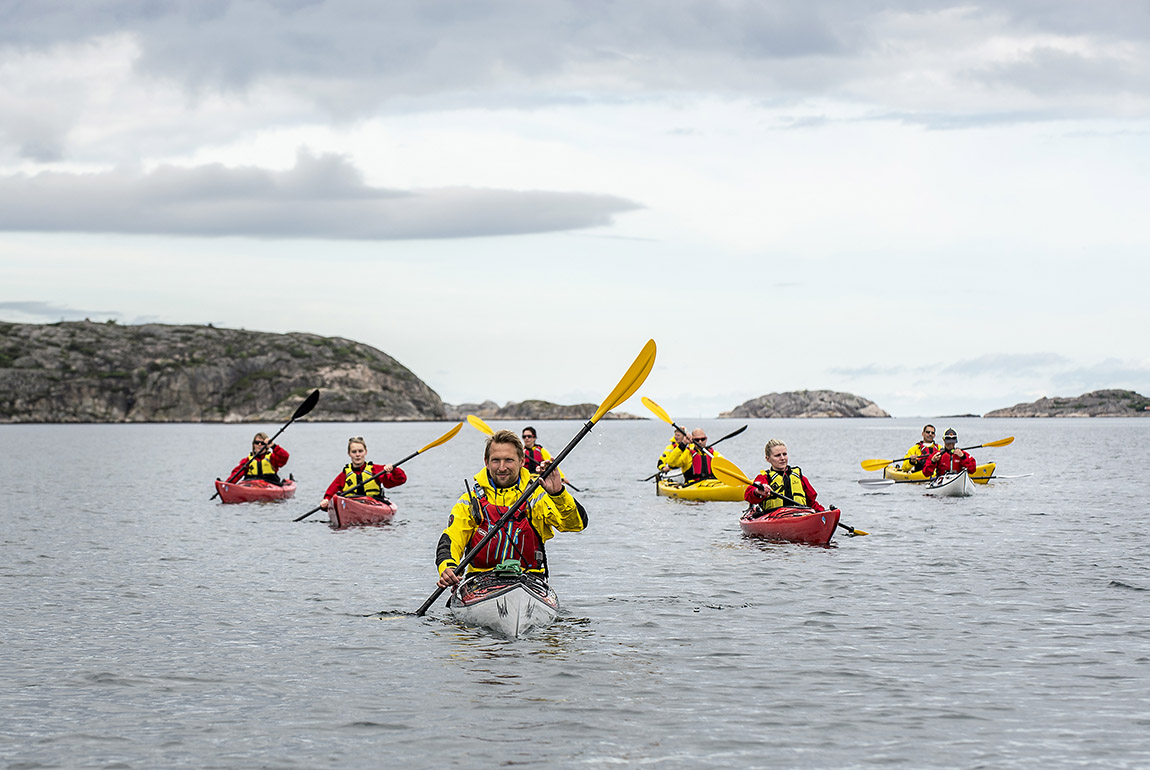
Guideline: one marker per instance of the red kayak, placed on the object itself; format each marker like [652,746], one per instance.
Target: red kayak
[254,491]
[798,525]
[349,511]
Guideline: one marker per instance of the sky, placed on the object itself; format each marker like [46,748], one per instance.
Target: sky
[938,206]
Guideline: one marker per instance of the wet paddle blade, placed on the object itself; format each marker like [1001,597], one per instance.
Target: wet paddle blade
[480,425]
[876,464]
[729,473]
[635,376]
[1001,441]
[876,482]
[657,410]
[445,437]
[308,404]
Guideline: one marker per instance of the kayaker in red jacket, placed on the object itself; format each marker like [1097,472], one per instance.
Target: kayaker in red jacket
[781,478]
[263,463]
[360,470]
[949,459]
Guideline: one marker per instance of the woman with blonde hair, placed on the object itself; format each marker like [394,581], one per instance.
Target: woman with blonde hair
[781,479]
[358,475]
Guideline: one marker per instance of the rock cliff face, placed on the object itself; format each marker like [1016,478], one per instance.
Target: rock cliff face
[530,410]
[1098,403]
[807,403]
[95,372]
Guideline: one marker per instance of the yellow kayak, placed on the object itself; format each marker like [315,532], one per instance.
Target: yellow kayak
[707,489]
[981,475]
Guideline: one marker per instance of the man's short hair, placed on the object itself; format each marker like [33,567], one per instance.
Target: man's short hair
[503,437]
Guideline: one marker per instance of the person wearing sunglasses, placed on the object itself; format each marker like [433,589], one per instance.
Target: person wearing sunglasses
[693,458]
[916,456]
[535,457]
[263,463]
[360,471]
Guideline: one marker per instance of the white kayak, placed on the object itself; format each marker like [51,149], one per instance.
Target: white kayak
[510,604]
[951,485]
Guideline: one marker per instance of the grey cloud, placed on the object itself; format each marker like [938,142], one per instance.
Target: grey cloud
[322,197]
[1050,72]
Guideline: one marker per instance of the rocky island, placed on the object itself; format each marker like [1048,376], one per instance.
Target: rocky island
[1097,403]
[807,403]
[105,372]
[533,409]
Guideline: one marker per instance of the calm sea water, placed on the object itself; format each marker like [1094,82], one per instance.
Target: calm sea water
[146,627]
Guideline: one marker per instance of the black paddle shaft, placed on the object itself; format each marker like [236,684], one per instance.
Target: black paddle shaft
[511,510]
[308,404]
[351,492]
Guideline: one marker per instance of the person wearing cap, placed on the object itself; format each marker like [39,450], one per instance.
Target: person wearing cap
[949,459]
[693,458]
[915,457]
[781,478]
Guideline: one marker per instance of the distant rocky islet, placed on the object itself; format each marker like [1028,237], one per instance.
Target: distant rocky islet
[86,372]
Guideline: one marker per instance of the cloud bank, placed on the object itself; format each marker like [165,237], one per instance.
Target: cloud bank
[321,197]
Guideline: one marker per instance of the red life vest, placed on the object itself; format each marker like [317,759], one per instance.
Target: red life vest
[516,539]
[532,457]
[700,465]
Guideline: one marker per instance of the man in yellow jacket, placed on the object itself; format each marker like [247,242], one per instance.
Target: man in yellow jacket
[919,451]
[548,510]
[693,458]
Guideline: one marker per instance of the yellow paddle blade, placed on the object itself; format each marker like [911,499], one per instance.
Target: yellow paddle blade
[729,473]
[874,465]
[480,425]
[1001,441]
[657,410]
[636,375]
[444,438]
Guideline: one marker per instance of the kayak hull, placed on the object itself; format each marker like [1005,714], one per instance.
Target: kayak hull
[795,525]
[346,512]
[509,605]
[981,475]
[254,491]
[707,489]
[951,485]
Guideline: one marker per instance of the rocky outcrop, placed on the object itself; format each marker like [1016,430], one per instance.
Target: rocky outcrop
[807,403]
[105,372]
[1098,403]
[530,410]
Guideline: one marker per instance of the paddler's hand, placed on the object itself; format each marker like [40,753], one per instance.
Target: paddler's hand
[388,468]
[448,578]
[958,454]
[552,482]
[325,504]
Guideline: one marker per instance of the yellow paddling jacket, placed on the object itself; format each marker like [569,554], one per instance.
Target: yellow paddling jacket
[545,514]
[917,455]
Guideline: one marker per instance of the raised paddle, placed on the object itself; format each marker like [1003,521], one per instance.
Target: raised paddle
[441,440]
[874,465]
[717,441]
[729,474]
[483,427]
[632,380]
[887,482]
[307,405]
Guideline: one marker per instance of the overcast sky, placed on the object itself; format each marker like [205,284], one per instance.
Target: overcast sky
[937,206]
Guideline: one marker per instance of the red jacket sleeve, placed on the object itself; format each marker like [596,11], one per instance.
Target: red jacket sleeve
[238,472]
[279,456]
[335,485]
[393,479]
[752,494]
[811,495]
[968,463]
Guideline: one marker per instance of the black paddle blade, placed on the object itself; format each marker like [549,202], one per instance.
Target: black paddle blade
[308,404]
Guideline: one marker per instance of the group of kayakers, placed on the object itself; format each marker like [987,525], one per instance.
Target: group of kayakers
[927,456]
[510,462]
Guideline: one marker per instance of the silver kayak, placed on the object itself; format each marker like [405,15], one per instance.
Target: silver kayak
[951,485]
[512,605]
